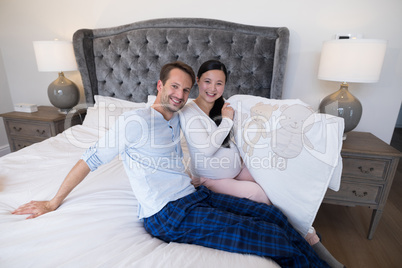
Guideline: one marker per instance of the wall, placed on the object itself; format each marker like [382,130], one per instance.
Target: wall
[5,106]
[310,22]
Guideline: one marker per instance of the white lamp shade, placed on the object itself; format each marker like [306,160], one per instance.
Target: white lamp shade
[54,56]
[352,60]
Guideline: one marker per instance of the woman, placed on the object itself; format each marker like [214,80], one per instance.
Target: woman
[206,123]
[215,160]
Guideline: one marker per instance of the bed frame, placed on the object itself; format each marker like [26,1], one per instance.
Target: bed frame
[124,61]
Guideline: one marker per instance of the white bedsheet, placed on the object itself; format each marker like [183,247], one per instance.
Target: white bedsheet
[96,226]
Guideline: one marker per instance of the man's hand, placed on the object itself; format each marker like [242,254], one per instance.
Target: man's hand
[35,208]
[74,177]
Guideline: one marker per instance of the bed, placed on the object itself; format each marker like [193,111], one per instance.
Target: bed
[97,224]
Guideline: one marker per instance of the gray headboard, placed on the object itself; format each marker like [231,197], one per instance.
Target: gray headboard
[124,61]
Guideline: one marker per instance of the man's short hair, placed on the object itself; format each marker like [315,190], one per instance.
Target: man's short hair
[165,71]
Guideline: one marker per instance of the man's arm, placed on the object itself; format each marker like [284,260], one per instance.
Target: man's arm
[74,177]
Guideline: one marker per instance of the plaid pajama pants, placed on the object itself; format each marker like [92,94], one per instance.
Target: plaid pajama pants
[232,224]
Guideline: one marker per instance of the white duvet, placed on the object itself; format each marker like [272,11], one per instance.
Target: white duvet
[96,226]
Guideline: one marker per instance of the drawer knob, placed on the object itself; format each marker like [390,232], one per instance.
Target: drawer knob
[359,195]
[41,132]
[18,129]
[21,146]
[365,171]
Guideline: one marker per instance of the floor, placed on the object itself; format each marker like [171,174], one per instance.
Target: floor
[344,229]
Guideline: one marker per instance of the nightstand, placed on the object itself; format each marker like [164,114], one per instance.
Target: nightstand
[369,167]
[24,129]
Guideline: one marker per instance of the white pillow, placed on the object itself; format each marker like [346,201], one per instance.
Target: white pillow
[151,100]
[110,101]
[291,151]
[106,110]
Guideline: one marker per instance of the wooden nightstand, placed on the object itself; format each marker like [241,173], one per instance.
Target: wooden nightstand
[24,129]
[369,166]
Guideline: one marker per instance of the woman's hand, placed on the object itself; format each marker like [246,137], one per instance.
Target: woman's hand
[195,181]
[35,208]
[227,111]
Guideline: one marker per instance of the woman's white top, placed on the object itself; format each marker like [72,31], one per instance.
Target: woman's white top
[204,139]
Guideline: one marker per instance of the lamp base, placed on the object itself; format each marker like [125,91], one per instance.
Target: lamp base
[67,111]
[63,93]
[343,104]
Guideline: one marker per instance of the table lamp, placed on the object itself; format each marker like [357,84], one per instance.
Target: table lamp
[58,56]
[349,60]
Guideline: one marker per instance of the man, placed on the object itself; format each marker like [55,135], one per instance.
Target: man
[171,208]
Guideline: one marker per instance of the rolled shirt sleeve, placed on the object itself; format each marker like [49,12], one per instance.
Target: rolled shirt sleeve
[115,140]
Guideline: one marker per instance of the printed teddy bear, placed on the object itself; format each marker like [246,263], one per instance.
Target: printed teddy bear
[288,140]
[255,127]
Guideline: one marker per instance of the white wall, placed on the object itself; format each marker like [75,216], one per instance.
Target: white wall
[5,106]
[310,22]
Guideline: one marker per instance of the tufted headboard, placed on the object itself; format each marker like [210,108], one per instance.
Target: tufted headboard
[124,61]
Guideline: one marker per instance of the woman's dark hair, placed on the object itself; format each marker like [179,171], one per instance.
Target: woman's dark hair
[216,112]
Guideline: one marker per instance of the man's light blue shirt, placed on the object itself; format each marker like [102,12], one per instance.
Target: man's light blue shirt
[150,150]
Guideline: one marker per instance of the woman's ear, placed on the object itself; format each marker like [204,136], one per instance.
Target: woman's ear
[197,80]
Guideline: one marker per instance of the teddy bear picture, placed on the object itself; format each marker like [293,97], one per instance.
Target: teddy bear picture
[255,127]
[288,139]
